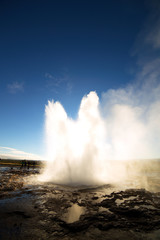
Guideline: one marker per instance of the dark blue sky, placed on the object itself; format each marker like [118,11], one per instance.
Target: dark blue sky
[61,50]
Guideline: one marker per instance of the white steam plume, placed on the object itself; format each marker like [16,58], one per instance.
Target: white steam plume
[75,147]
[133,121]
[87,150]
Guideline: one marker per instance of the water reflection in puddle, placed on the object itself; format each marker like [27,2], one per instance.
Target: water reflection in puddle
[73,214]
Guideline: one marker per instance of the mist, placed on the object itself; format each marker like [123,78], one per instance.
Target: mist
[100,145]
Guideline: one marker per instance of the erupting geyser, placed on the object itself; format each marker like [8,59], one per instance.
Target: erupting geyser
[87,150]
[76,149]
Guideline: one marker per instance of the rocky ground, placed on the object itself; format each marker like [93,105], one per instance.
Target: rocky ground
[49,211]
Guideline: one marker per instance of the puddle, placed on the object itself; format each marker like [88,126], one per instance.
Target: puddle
[73,214]
[4,169]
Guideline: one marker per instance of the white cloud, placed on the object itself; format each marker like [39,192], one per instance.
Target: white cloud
[148,39]
[7,152]
[15,87]
[152,35]
[57,84]
[53,82]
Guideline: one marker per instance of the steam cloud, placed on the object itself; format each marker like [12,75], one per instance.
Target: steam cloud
[124,126]
[133,121]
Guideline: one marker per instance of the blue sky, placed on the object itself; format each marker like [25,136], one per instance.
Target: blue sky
[62,50]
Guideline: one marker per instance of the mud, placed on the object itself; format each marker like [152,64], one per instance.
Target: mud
[30,210]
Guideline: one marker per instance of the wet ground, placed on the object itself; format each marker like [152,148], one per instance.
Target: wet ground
[32,210]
